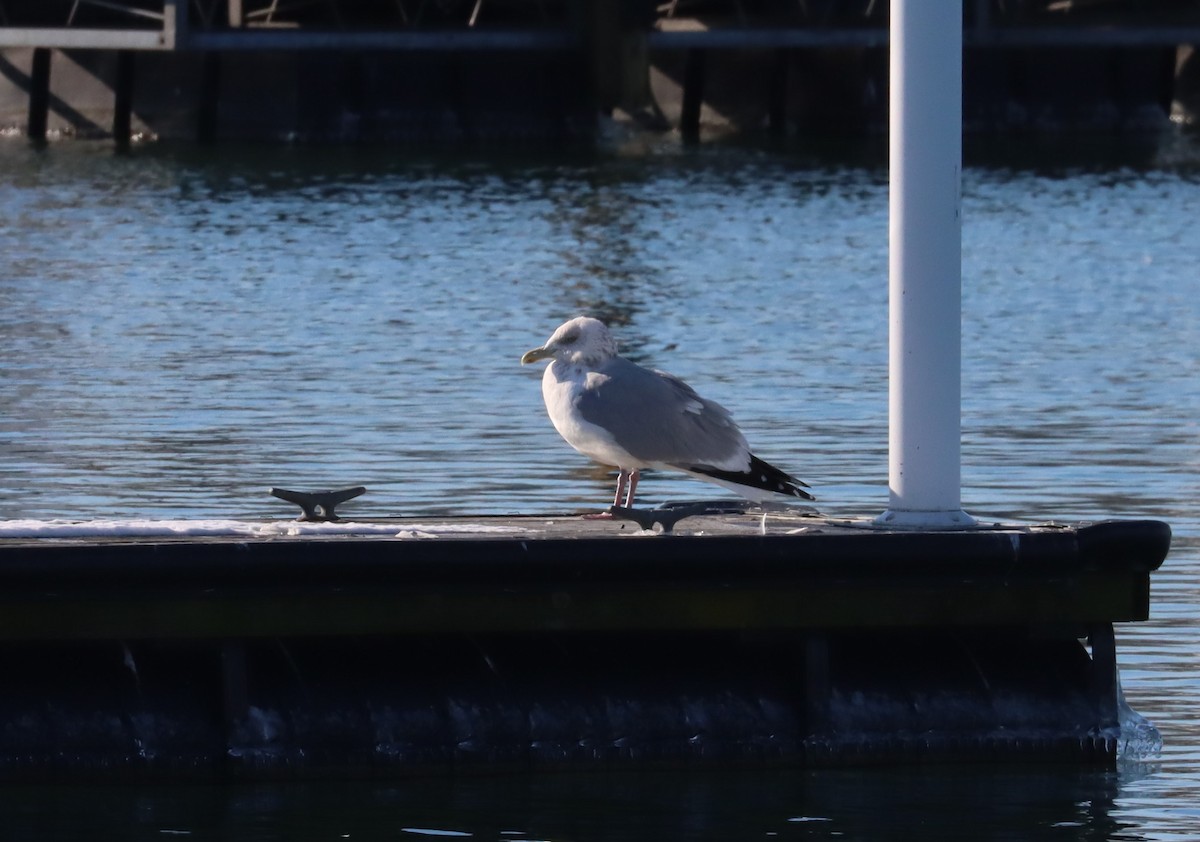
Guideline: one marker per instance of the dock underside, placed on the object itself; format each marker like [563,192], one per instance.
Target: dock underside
[563,644]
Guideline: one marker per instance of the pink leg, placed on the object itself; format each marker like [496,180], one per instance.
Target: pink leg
[633,481]
[623,476]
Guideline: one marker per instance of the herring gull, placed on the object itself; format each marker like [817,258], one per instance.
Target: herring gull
[618,413]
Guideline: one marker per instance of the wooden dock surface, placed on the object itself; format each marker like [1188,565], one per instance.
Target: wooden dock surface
[430,646]
[748,571]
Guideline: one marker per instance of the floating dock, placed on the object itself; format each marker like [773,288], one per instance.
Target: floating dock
[486,71]
[462,645]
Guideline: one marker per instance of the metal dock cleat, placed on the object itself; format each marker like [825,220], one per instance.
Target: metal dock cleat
[318,505]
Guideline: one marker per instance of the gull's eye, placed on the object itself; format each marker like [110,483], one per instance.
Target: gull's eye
[569,339]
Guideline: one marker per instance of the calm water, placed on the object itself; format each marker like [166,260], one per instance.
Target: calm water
[181,329]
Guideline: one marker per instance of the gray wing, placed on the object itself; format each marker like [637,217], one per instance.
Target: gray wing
[657,417]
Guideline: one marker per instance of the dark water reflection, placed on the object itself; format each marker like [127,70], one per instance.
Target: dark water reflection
[180,329]
[937,804]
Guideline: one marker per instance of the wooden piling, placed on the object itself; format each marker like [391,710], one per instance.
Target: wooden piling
[210,96]
[601,37]
[778,92]
[122,126]
[39,95]
[693,94]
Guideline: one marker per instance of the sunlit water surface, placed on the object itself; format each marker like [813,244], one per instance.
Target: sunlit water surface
[181,329]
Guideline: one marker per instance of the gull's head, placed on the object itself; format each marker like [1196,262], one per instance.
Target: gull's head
[581,340]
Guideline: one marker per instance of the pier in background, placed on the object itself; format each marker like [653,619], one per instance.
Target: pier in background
[493,70]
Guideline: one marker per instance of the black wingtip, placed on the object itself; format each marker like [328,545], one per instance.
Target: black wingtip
[762,475]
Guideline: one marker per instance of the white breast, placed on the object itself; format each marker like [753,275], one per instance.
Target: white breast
[562,384]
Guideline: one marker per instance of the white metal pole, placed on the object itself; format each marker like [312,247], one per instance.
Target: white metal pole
[925,266]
